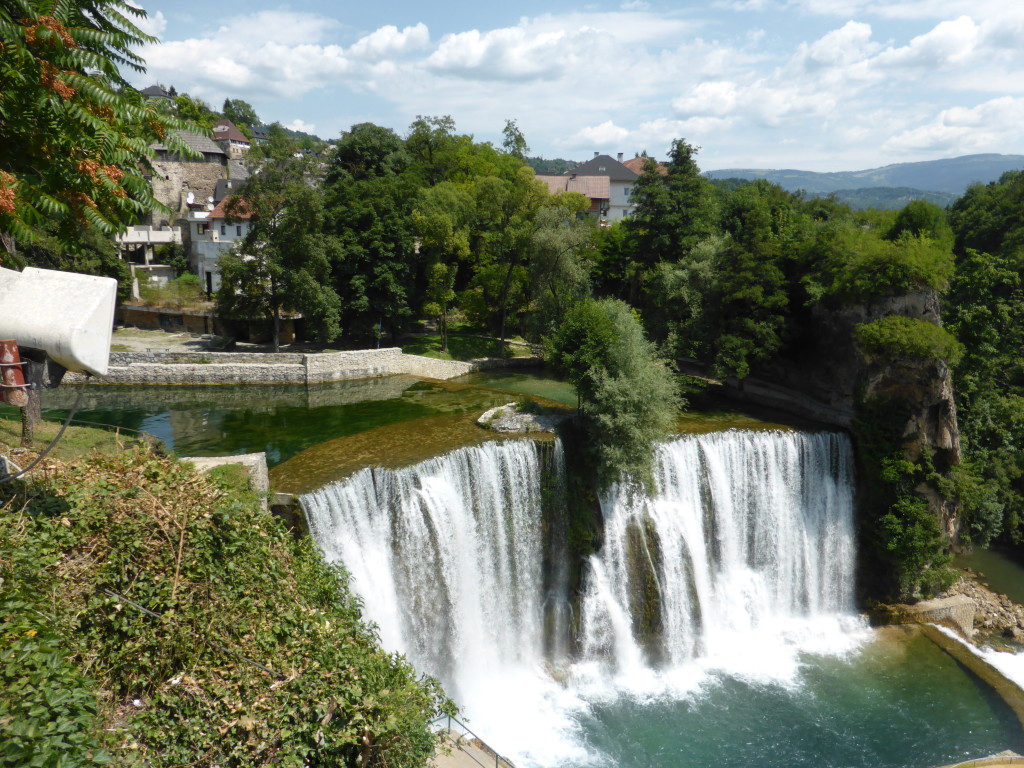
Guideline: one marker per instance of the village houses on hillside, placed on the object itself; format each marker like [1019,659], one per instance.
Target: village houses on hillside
[195,189]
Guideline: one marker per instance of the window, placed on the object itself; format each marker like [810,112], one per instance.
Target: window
[600,169]
[201,228]
[238,230]
[223,229]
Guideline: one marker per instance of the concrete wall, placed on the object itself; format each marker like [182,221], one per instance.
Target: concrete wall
[1008,690]
[154,318]
[284,368]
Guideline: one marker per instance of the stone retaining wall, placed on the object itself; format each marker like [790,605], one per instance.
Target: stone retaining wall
[183,368]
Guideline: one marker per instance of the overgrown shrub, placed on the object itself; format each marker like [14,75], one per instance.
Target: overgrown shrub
[860,265]
[180,293]
[896,338]
[256,654]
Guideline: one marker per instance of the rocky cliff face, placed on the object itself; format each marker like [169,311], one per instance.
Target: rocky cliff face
[827,376]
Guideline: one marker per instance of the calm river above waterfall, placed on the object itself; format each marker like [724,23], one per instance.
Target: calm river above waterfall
[732,641]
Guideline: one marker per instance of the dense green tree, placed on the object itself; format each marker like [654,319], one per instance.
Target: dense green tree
[560,261]
[514,142]
[859,265]
[628,397]
[504,226]
[196,111]
[752,300]
[284,261]
[370,197]
[242,114]
[988,217]
[920,218]
[672,212]
[985,309]
[442,219]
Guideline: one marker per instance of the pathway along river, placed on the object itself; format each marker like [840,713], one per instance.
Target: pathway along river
[716,625]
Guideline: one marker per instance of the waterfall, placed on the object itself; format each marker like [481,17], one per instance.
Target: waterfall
[461,562]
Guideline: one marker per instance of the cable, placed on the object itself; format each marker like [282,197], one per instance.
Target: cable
[47,449]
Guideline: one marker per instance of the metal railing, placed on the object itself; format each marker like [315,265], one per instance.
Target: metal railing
[447,721]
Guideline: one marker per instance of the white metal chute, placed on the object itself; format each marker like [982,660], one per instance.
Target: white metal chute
[67,315]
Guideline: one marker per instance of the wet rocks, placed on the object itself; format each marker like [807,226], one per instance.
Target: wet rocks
[511,418]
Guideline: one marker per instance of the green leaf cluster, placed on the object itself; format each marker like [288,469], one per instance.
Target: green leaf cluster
[75,135]
[985,309]
[628,396]
[257,656]
[898,338]
[903,552]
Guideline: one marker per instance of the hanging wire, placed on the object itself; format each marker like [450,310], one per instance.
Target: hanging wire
[47,449]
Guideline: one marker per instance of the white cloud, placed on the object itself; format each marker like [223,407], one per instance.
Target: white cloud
[988,127]
[841,47]
[901,9]
[604,135]
[301,125]
[388,41]
[153,24]
[636,78]
[949,43]
[712,98]
[269,53]
[636,5]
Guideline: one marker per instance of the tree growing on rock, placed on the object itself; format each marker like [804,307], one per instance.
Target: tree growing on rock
[628,397]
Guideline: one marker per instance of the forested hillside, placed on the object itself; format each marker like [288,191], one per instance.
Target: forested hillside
[950,175]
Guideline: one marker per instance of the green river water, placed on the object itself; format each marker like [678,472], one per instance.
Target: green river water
[895,702]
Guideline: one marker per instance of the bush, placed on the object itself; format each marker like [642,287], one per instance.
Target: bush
[911,535]
[180,293]
[862,266]
[230,587]
[896,338]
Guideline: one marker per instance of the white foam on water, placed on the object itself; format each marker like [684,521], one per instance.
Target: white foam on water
[740,565]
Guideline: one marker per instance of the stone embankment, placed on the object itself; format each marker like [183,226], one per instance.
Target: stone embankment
[281,368]
[995,615]
[975,611]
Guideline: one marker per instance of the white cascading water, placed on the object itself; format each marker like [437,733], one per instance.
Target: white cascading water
[747,545]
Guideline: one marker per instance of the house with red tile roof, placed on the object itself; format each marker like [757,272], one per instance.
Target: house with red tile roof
[234,143]
[636,165]
[605,181]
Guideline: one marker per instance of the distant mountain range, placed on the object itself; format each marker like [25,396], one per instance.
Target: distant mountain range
[892,186]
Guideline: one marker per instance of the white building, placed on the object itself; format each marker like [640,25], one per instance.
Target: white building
[606,182]
[212,236]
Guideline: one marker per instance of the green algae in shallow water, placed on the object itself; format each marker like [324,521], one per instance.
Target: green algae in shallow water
[281,420]
[286,420]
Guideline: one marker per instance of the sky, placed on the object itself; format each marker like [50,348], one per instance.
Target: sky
[821,85]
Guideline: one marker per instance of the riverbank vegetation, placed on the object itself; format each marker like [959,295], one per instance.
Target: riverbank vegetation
[153,616]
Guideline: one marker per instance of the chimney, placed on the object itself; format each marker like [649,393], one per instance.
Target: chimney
[597,154]
[620,157]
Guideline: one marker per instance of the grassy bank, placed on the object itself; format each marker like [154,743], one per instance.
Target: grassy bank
[153,616]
